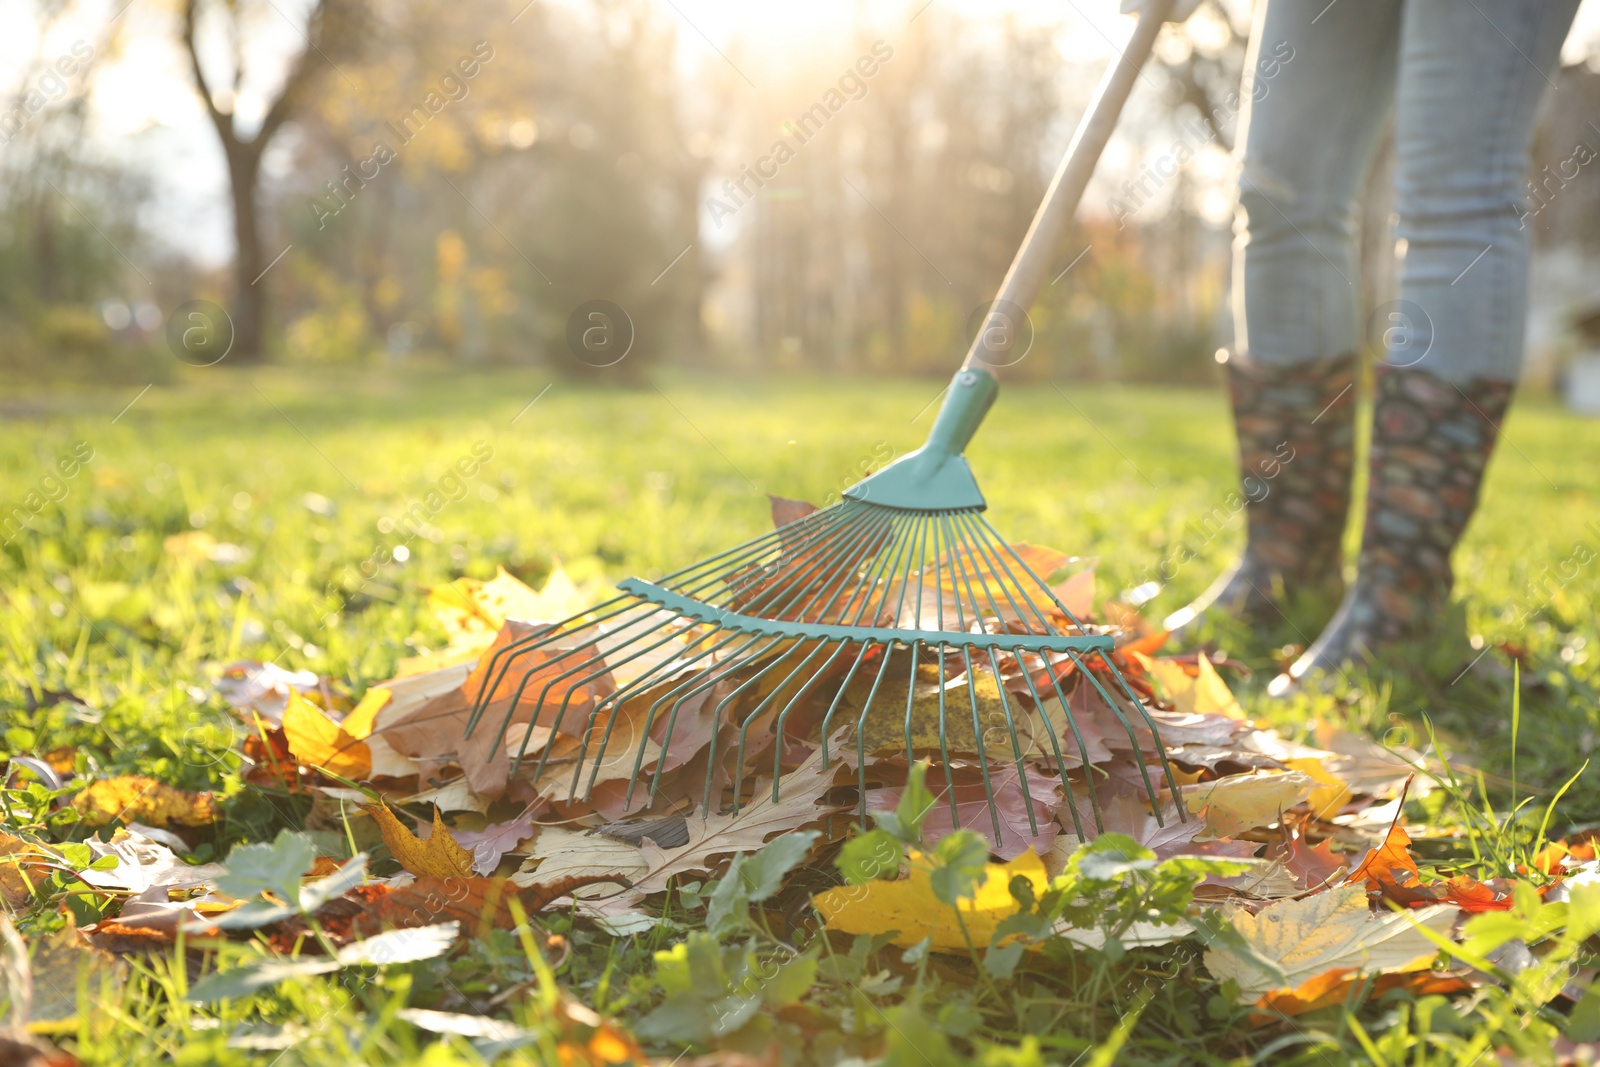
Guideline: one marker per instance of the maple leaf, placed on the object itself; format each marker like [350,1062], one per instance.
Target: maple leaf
[131,798]
[1312,865]
[747,829]
[1201,693]
[912,909]
[1292,941]
[1391,871]
[439,855]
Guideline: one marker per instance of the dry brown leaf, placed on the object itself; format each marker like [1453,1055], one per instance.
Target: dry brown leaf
[1315,934]
[559,853]
[747,829]
[438,856]
[134,798]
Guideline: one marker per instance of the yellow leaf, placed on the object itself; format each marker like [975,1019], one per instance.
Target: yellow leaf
[438,855]
[1242,802]
[1334,929]
[909,906]
[318,741]
[134,798]
[1204,694]
[1331,795]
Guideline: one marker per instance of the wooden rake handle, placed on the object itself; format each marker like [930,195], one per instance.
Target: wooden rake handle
[992,346]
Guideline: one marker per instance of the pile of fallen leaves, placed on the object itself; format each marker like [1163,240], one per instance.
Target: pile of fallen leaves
[1288,859]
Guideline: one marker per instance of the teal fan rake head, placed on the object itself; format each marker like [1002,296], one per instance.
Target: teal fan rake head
[896,619]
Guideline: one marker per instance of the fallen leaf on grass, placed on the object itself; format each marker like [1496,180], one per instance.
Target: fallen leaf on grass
[475,902]
[142,864]
[1391,870]
[133,798]
[1201,693]
[22,866]
[747,829]
[491,843]
[1242,802]
[1294,941]
[559,853]
[343,748]
[972,803]
[1331,793]
[910,908]
[439,855]
[1335,987]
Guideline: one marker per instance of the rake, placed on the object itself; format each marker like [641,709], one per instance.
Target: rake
[837,622]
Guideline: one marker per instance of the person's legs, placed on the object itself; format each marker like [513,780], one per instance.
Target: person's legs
[1471,77]
[1308,132]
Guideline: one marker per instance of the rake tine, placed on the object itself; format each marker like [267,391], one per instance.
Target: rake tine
[1161,749]
[1144,771]
[1137,703]
[605,668]
[938,612]
[716,674]
[752,548]
[516,648]
[839,696]
[716,722]
[1061,763]
[1005,703]
[861,739]
[1083,750]
[995,534]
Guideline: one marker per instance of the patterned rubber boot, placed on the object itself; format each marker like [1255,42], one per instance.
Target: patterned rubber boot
[1296,428]
[1431,441]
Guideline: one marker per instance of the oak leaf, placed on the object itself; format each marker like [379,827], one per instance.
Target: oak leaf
[1295,940]
[747,829]
[439,855]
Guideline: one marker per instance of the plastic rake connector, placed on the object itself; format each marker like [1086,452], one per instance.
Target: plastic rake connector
[843,610]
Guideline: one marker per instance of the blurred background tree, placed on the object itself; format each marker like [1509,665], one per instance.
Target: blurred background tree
[448,182]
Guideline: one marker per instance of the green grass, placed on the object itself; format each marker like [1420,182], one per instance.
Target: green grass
[306,473]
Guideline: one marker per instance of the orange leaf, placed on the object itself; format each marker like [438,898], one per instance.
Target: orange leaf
[1391,870]
[1334,987]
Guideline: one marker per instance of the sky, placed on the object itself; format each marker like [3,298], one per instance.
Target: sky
[146,110]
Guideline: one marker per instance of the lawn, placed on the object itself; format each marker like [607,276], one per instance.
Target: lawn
[311,485]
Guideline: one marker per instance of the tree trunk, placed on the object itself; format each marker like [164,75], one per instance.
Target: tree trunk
[244,170]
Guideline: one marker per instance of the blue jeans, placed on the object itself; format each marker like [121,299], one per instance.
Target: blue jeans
[1464,78]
